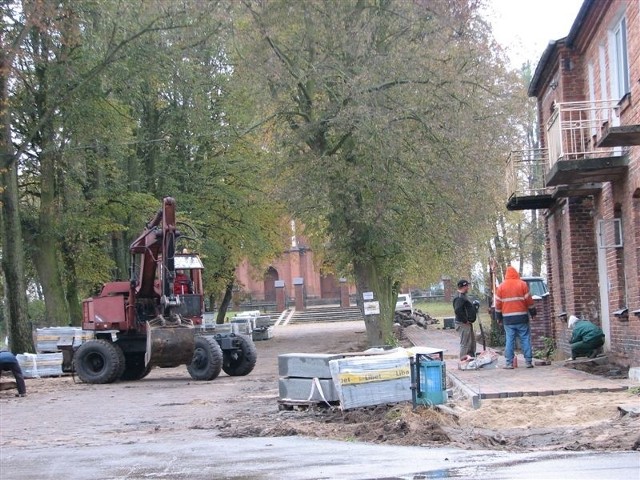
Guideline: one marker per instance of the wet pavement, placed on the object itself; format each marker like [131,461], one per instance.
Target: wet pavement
[137,431]
[205,456]
[493,381]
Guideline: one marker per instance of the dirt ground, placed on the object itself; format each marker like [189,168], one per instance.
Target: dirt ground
[169,401]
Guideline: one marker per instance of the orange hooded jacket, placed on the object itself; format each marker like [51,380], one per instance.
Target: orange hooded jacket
[513,300]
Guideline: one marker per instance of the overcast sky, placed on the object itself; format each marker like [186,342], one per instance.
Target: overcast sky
[525,27]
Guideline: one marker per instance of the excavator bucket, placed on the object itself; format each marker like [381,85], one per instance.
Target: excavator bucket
[169,345]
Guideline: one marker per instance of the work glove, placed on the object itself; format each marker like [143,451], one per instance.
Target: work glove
[476,305]
[533,312]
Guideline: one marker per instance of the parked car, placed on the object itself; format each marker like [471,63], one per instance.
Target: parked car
[404,303]
[537,286]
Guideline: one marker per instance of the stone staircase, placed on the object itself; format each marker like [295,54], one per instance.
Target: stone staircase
[327,313]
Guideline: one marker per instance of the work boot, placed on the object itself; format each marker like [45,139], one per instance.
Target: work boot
[594,353]
[529,365]
[508,367]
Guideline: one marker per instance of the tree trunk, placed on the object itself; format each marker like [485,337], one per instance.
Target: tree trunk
[46,247]
[72,290]
[538,243]
[45,259]
[20,335]
[379,327]
[19,330]
[120,250]
[226,300]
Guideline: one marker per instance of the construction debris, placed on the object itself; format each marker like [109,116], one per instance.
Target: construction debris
[418,317]
[482,359]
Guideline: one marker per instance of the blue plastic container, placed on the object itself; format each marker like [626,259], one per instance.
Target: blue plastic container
[432,382]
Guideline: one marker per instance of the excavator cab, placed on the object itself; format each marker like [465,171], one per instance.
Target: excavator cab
[187,286]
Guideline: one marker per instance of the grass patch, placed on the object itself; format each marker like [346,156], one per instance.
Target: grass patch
[440,310]
[435,309]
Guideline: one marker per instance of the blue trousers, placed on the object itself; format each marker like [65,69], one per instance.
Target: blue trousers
[9,363]
[522,331]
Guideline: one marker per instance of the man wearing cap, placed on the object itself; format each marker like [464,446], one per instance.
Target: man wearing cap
[466,314]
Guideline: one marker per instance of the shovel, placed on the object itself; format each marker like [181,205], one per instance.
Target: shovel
[476,304]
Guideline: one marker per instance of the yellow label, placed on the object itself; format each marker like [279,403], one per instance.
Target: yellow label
[374,376]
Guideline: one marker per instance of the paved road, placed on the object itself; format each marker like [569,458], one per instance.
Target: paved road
[113,434]
[206,456]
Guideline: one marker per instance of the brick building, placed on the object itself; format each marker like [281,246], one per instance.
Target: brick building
[585,178]
[296,265]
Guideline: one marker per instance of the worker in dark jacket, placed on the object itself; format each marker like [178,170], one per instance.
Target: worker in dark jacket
[9,363]
[586,338]
[466,314]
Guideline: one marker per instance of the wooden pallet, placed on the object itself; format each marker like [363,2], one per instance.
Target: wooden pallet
[7,385]
[302,405]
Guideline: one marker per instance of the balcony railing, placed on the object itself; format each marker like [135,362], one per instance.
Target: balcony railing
[575,128]
[573,131]
[525,172]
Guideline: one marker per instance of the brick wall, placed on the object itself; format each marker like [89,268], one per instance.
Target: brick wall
[542,324]
[572,243]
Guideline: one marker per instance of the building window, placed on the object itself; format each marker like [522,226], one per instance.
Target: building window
[620,62]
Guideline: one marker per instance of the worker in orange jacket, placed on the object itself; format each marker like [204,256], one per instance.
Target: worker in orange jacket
[514,304]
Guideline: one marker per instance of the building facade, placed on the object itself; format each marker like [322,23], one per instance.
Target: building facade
[585,176]
[294,267]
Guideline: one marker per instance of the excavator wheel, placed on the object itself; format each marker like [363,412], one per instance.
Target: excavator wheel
[207,359]
[135,369]
[121,362]
[240,362]
[97,361]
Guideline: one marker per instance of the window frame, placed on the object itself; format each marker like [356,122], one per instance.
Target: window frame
[619,59]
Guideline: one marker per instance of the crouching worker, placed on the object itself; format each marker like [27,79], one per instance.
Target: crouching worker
[9,363]
[586,338]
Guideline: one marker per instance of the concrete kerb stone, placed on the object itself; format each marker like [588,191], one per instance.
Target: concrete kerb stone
[466,391]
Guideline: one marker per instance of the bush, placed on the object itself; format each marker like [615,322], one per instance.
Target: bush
[547,351]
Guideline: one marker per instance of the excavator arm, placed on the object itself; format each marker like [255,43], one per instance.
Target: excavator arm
[170,338]
[156,249]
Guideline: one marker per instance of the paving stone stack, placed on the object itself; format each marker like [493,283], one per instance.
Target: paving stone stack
[263,329]
[372,380]
[40,364]
[49,338]
[305,378]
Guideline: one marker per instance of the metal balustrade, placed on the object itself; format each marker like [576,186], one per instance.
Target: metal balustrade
[572,133]
[525,172]
[574,129]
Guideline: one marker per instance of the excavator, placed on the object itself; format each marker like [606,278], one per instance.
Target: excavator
[155,318]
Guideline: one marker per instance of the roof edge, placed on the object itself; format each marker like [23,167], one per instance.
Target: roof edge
[534,85]
[577,23]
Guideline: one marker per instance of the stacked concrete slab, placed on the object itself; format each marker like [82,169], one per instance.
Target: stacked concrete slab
[254,324]
[372,380]
[263,329]
[306,378]
[40,365]
[49,338]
